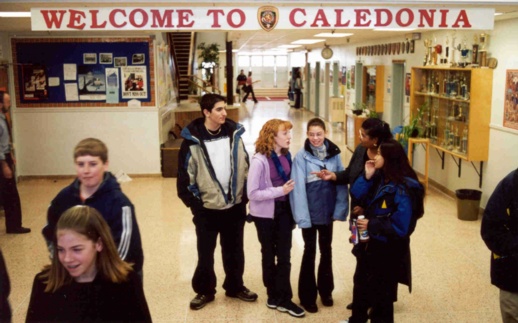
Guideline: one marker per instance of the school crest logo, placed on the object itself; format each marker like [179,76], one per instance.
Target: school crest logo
[268,16]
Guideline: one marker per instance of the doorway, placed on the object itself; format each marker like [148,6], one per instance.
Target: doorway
[398,94]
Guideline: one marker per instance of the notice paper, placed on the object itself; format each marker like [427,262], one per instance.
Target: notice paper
[69,72]
[53,81]
[71,93]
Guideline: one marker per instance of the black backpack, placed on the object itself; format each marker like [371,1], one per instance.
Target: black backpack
[417,198]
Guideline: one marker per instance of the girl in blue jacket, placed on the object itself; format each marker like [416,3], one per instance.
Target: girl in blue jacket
[316,204]
[387,187]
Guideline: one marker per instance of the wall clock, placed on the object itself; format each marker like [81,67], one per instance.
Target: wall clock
[327,52]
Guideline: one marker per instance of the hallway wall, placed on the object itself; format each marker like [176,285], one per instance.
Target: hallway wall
[45,137]
[502,157]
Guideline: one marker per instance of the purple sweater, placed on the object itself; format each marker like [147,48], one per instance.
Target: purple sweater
[261,192]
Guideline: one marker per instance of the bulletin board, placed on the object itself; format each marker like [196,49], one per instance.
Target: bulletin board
[83,72]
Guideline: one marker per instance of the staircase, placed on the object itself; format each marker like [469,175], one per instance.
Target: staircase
[181,48]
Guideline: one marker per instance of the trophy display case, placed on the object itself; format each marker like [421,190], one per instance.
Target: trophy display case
[457,103]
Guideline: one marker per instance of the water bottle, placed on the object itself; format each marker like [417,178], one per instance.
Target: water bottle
[354,232]
[364,234]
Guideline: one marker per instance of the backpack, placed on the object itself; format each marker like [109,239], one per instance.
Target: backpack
[417,198]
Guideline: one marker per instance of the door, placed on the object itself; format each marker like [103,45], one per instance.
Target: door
[398,94]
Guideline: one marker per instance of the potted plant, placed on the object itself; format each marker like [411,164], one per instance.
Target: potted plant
[209,56]
[413,129]
[359,109]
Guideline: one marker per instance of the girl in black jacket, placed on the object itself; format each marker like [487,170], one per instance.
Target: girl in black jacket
[86,281]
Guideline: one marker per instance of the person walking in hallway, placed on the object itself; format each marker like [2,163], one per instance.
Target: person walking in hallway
[241,83]
[500,233]
[297,87]
[9,192]
[212,171]
[249,88]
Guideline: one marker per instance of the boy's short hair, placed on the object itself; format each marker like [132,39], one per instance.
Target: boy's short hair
[208,101]
[91,147]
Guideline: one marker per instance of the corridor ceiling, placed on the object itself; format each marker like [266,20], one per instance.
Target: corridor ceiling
[256,40]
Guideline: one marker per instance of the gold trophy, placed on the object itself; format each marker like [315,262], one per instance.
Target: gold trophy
[484,42]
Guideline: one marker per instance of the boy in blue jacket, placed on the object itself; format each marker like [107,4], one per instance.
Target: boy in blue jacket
[98,188]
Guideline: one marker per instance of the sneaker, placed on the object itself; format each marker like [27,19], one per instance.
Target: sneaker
[311,308]
[19,230]
[291,308]
[200,301]
[244,295]
[327,300]
[272,303]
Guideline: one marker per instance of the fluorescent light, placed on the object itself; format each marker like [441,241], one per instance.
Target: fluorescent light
[224,51]
[333,35]
[307,41]
[15,14]
[498,13]
[394,29]
[289,46]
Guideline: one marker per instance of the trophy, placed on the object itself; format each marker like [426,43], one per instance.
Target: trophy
[484,42]
[428,56]
[464,54]
[474,57]
[453,63]
[464,140]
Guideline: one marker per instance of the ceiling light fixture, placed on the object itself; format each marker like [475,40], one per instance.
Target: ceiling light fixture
[333,35]
[289,46]
[498,13]
[307,41]
[15,14]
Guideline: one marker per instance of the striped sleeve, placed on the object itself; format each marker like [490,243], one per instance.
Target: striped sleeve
[127,227]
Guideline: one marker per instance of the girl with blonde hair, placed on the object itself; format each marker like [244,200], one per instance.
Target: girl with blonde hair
[268,187]
[86,280]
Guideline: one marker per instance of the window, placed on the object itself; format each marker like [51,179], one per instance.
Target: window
[243,61]
[281,61]
[257,61]
[268,61]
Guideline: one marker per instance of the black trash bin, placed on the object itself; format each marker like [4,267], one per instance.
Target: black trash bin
[468,204]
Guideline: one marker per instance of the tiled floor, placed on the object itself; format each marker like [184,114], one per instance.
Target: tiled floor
[450,261]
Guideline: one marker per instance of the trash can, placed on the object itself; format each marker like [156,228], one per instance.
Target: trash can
[468,204]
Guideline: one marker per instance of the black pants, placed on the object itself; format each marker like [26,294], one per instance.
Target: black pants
[298,98]
[229,224]
[5,289]
[250,90]
[275,238]
[375,282]
[10,198]
[324,284]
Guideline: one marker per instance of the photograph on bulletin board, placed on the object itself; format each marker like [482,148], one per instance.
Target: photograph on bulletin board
[511,100]
[91,83]
[135,82]
[106,58]
[34,82]
[138,59]
[120,61]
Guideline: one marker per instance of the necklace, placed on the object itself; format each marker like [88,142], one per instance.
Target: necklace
[212,133]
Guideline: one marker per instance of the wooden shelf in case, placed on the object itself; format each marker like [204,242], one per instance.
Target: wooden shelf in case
[477,112]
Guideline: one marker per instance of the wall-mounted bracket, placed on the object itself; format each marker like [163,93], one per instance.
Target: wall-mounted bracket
[479,173]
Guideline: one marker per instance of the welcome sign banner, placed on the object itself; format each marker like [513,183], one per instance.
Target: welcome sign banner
[254,18]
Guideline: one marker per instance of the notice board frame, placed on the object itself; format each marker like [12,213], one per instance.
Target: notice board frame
[27,52]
